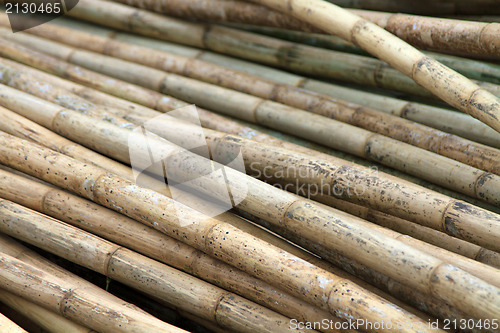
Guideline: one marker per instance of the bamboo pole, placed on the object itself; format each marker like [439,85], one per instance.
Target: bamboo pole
[196,234]
[457,148]
[149,276]
[8,326]
[44,318]
[469,38]
[228,245]
[453,88]
[81,298]
[133,235]
[445,120]
[368,145]
[481,234]
[473,69]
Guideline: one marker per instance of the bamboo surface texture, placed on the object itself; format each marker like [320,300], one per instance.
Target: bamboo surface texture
[133,235]
[406,209]
[450,86]
[8,326]
[457,148]
[469,38]
[84,303]
[222,240]
[445,120]
[368,145]
[158,280]
[101,179]
[44,318]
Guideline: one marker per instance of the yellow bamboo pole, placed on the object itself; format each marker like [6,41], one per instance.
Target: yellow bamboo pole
[8,326]
[44,318]
[222,240]
[271,114]
[450,86]
[465,151]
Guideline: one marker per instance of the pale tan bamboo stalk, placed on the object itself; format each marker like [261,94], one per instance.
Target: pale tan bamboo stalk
[453,88]
[117,195]
[221,11]
[44,318]
[8,326]
[285,118]
[254,261]
[84,303]
[253,154]
[469,38]
[133,235]
[445,120]
[149,276]
[457,148]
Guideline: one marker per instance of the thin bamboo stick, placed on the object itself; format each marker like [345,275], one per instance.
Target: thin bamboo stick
[126,195]
[453,88]
[158,280]
[469,38]
[228,247]
[133,235]
[457,148]
[445,120]
[8,326]
[46,319]
[18,101]
[84,303]
[367,144]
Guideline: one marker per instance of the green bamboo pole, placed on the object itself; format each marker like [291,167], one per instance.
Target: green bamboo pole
[457,148]
[445,120]
[449,86]
[367,144]
[216,238]
[473,69]
[370,198]
[126,266]
[44,318]
[132,197]
[469,38]
[9,326]
[133,235]
[84,303]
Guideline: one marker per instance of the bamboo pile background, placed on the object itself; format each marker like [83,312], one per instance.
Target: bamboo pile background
[250,166]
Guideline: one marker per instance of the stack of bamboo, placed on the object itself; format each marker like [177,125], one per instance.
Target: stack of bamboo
[367,197]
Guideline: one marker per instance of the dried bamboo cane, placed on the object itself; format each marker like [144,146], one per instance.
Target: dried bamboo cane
[19,101]
[264,260]
[44,318]
[457,148]
[367,144]
[453,88]
[8,326]
[445,120]
[132,198]
[158,280]
[133,235]
[473,69]
[469,38]
[82,300]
